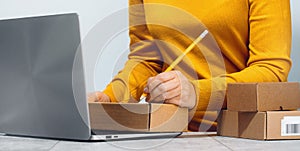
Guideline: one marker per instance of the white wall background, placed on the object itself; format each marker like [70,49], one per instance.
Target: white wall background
[295,11]
[92,11]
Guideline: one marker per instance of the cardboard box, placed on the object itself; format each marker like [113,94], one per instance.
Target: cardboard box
[228,123]
[253,97]
[267,125]
[138,117]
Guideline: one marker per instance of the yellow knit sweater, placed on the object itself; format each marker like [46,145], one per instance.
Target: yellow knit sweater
[253,36]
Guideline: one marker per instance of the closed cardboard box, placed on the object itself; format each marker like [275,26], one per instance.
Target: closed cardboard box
[228,123]
[253,97]
[269,125]
[138,117]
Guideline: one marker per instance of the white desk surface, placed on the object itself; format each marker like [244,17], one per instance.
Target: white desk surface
[189,141]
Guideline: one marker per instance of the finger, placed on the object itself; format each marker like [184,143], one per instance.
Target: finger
[92,97]
[102,97]
[148,98]
[150,80]
[156,101]
[159,79]
[151,99]
[172,96]
[173,93]
[175,100]
[188,95]
[98,97]
[166,90]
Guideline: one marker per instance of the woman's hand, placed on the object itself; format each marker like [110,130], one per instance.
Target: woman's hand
[98,97]
[171,87]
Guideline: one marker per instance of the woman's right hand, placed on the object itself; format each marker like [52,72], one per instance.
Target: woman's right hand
[98,96]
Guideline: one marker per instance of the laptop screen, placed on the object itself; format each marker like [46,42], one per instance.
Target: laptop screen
[37,75]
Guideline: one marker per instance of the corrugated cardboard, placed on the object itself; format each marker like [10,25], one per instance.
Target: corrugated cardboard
[138,117]
[267,125]
[252,97]
[277,124]
[123,117]
[252,125]
[168,118]
[228,124]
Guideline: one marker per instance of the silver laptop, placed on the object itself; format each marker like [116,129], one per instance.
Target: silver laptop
[37,72]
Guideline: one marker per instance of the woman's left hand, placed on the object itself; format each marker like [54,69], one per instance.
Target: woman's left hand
[171,87]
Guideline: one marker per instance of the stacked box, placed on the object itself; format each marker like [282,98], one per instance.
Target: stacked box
[263,111]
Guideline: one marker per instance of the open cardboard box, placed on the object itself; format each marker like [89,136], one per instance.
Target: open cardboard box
[266,96]
[138,117]
[269,125]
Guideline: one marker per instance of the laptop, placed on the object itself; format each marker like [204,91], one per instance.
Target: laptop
[40,62]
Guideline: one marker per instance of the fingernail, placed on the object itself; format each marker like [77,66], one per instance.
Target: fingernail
[146,90]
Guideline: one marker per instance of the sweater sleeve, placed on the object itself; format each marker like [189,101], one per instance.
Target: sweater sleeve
[143,62]
[269,53]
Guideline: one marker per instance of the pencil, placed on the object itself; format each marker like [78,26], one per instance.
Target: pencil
[179,58]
